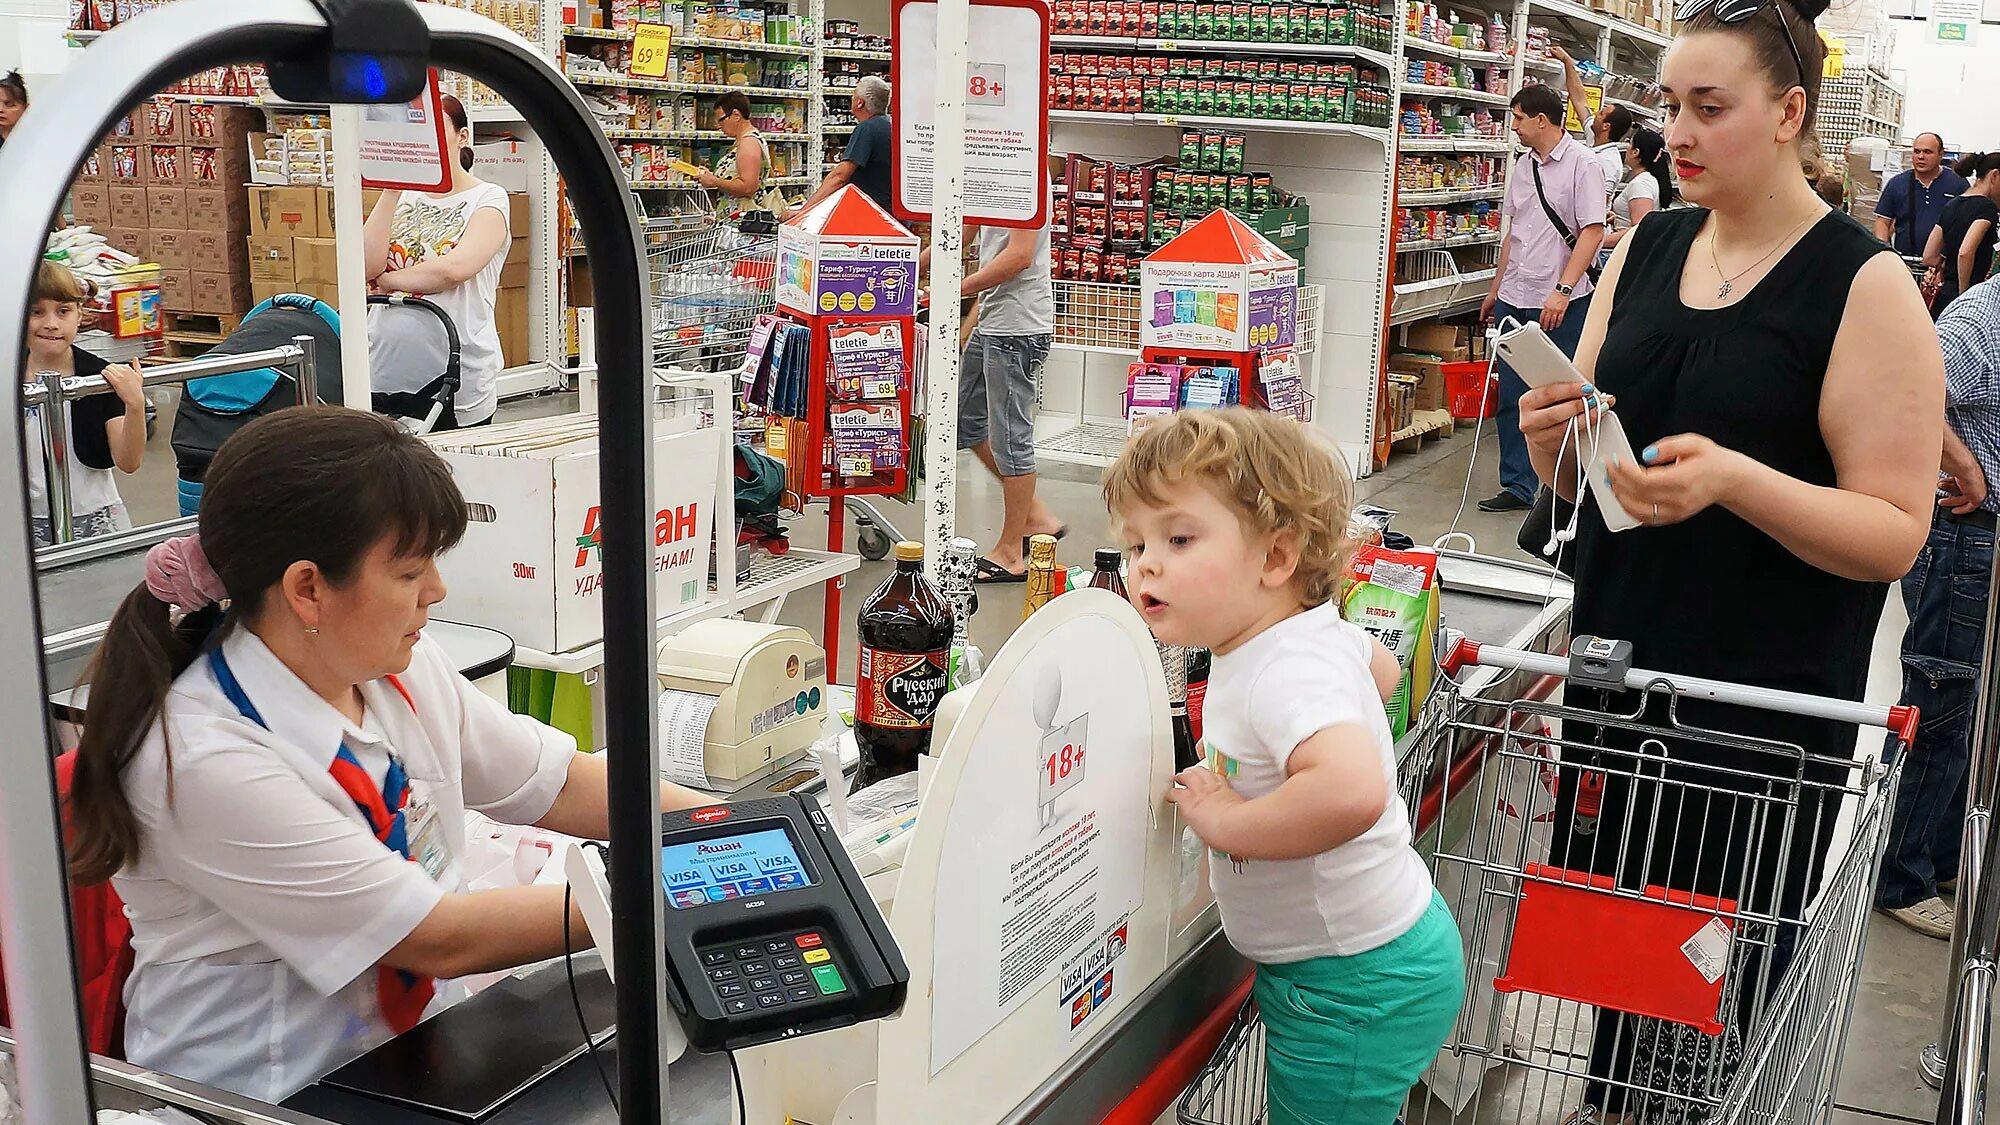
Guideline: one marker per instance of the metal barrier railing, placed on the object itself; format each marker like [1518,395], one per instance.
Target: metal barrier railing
[52,390]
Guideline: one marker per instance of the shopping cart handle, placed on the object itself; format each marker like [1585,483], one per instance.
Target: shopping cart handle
[1903,723]
[1463,651]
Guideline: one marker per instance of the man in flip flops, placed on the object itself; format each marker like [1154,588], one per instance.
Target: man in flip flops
[1013,325]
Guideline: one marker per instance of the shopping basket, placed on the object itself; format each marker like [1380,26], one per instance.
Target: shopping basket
[1651,924]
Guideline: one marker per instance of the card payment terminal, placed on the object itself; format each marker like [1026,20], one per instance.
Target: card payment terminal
[769,931]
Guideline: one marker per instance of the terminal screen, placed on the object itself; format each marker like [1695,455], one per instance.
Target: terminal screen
[724,867]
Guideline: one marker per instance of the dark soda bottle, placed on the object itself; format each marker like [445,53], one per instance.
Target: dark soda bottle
[1107,576]
[1197,688]
[906,628]
[1173,659]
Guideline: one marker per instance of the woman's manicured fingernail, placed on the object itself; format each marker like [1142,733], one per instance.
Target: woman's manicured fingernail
[1588,389]
[1652,452]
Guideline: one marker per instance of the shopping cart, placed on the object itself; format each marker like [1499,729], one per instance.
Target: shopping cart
[709,287]
[1649,926]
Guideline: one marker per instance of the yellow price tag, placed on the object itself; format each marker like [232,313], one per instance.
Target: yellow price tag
[652,44]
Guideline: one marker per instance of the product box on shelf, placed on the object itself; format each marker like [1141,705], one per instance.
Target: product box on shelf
[218,207]
[90,203]
[534,569]
[170,248]
[211,251]
[222,293]
[128,205]
[163,120]
[1426,373]
[316,263]
[271,259]
[176,290]
[127,240]
[166,206]
[292,211]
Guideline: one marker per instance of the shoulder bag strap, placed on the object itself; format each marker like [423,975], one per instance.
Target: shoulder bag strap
[1562,228]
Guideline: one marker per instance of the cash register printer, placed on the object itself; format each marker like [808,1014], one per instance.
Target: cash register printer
[769,686]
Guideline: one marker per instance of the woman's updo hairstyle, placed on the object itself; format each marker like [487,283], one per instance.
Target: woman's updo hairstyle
[1801,62]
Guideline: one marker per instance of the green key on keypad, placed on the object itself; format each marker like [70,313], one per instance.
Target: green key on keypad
[828,979]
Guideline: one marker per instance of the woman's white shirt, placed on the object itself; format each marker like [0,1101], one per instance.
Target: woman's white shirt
[1642,185]
[261,902]
[405,346]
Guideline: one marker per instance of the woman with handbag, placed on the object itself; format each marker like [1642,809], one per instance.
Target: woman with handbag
[1773,364]
[742,169]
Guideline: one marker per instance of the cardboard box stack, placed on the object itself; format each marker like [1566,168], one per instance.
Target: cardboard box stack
[167,186]
[1420,362]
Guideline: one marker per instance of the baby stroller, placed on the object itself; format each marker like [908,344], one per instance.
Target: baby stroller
[213,409]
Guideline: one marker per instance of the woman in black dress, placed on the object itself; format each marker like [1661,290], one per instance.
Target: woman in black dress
[1960,250]
[1775,368]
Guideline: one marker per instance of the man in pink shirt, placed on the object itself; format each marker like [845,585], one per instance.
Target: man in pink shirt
[1554,216]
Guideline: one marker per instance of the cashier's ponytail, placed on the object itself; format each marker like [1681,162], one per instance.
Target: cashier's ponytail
[319,484]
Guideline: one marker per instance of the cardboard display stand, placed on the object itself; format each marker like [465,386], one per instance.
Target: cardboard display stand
[847,273]
[1222,294]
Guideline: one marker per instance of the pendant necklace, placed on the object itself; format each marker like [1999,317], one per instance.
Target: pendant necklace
[1728,285]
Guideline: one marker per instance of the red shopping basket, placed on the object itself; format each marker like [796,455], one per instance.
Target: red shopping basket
[1465,390]
[1662,955]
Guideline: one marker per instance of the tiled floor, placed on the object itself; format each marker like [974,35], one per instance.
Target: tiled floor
[1898,1007]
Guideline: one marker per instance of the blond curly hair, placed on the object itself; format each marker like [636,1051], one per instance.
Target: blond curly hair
[1275,472]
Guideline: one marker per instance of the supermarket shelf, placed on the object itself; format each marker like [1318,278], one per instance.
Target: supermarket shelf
[1089,116]
[1450,196]
[1412,89]
[1288,50]
[1649,112]
[743,46]
[1444,296]
[1091,444]
[1227,46]
[1569,9]
[1412,45]
[228,99]
[691,135]
[771,576]
[685,184]
[83,36]
[1550,65]
[1874,120]
[1331,128]
[494,115]
[1484,238]
[840,91]
[852,53]
[627,82]
[1451,144]
[843,130]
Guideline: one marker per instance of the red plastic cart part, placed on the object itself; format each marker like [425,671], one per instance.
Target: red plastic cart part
[1576,939]
[1464,651]
[1903,722]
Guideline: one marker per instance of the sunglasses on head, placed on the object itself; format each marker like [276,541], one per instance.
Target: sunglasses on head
[1737,11]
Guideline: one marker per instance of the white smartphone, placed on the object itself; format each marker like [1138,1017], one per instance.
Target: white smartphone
[1539,363]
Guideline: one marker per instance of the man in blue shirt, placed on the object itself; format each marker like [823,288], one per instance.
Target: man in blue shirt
[870,158]
[1946,592]
[1911,202]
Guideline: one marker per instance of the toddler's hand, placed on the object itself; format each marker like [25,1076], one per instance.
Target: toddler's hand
[1205,799]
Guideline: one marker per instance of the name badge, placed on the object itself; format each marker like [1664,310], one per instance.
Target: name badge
[428,847]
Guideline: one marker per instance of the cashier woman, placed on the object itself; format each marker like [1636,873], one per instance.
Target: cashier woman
[277,765]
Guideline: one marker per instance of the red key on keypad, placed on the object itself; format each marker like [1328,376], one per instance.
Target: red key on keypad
[809,941]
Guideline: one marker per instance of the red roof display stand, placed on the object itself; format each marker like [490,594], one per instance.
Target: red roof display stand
[847,270]
[1219,294]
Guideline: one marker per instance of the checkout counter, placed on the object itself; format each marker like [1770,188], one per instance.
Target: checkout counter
[1064,958]
[1156,980]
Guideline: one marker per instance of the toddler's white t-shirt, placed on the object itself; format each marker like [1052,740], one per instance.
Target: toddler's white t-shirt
[1301,676]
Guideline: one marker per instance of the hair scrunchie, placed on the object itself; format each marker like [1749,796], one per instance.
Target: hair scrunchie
[177,573]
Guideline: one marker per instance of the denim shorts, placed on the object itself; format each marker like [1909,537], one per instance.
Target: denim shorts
[996,397]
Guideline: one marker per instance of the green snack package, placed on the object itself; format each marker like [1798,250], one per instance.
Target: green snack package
[1393,595]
